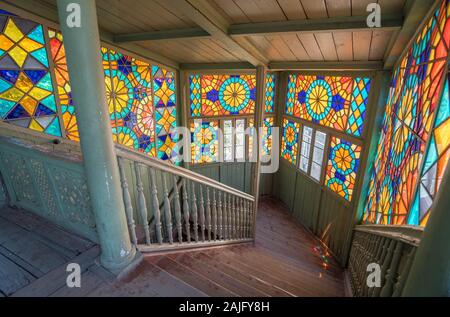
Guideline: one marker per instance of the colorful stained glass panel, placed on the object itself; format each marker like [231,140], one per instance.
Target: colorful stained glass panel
[342,168]
[26,88]
[270,93]
[289,141]
[204,141]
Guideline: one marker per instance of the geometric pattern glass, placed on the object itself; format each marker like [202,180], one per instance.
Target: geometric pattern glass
[204,141]
[270,93]
[221,95]
[334,102]
[342,168]
[407,130]
[289,142]
[26,88]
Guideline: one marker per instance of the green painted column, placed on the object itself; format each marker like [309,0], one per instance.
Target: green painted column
[82,44]
[430,271]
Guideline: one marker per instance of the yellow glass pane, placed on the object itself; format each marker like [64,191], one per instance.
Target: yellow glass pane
[39,93]
[29,104]
[24,83]
[34,125]
[12,31]
[5,43]
[442,134]
[12,94]
[18,55]
[29,45]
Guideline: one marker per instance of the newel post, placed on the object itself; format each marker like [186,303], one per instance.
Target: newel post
[78,21]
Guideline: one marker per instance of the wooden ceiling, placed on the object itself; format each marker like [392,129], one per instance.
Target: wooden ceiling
[142,20]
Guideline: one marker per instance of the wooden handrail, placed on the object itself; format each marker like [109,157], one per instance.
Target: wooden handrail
[179,171]
[407,234]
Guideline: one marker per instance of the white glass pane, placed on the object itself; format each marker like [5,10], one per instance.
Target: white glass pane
[307,134]
[315,171]
[228,153]
[305,149]
[320,139]
[227,125]
[304,164]
[239,152]
[318,155]
[240,125]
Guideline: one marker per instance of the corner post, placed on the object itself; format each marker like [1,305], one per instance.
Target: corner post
[82,44]
[259,117]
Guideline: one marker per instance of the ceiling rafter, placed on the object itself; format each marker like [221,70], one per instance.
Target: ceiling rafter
[208,17]
[355,23]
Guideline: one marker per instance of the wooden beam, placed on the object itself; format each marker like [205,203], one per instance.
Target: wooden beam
[161,35]
[335,66]
[213,66]
[414,18]
[209,18]
[351,23]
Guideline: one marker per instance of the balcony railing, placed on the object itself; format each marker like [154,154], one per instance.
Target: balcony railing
[391,247]
[175,208]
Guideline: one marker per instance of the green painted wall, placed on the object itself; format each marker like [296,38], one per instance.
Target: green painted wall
[2,194]
[236,175]
[329,217]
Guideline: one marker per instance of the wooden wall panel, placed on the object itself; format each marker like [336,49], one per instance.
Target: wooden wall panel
[306,201]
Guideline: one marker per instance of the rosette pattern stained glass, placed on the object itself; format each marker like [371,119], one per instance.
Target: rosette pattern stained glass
[289,142]
[331,101]
[204,141]
[342,168]
[407,130]
[26,88]
[222,95]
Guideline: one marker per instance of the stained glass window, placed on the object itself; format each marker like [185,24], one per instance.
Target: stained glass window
[436,160]
[342,167]
[411,105]
[289,142]
[63,82]
[129,94]
[270,93]
[267,135]
[26,87]
[204,141]
[220,95]
[166,111]
[331,101]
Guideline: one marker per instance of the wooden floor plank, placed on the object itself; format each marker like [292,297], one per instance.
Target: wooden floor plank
[12,277]
[199,282]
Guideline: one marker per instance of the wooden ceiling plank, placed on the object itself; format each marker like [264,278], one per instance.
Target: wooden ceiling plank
[344,45]
[233,11]
[206,15]
[338,8]
[361,45]
[359,7]
[327,46]
[380,40]
[315,9]
[312,48]
[279,44]
[391,6]
[250,9]
[270,10]
[292,9]
[265,47]
[296,47]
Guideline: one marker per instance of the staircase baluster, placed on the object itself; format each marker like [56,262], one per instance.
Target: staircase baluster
[142,204]
[208,213]
[242,219]
[229,234]
[219,216]
[176,201]
[127,203]
[186,211]
[225,216]
[167,211]
[202,213]
[234,218]
[214,215]
[194,212]
[238,218]
[247,217]
[156,211]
